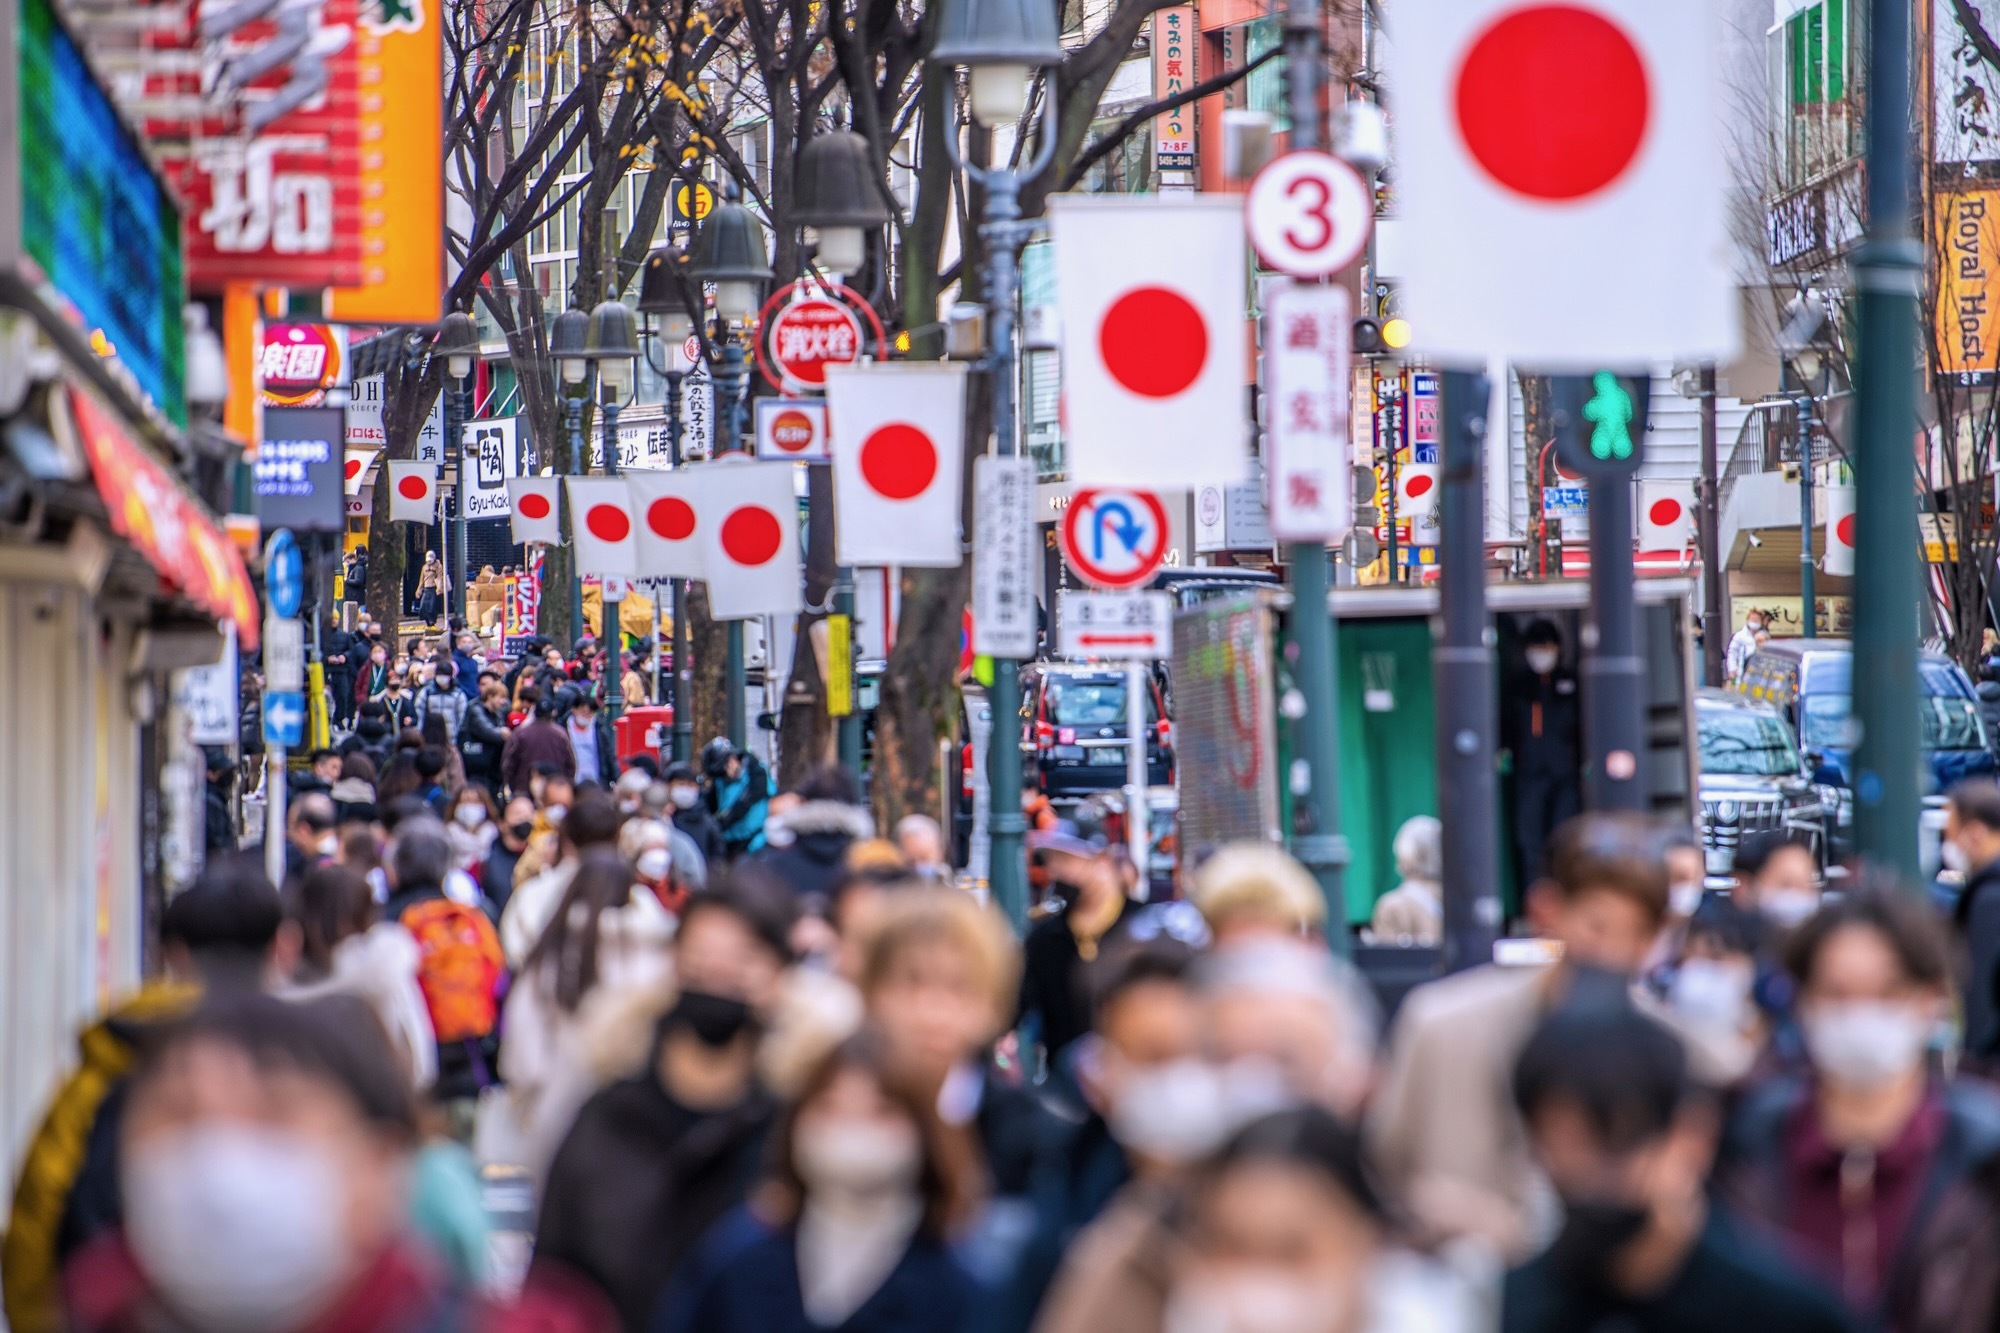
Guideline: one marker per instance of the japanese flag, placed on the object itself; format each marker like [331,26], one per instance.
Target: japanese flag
[600,516]
[413,492]
[1155,362]
[750,539]
[667,507]
[897,433]
[1666,515]
[1417,490]
[359,469]
[1540,148]
[1839,533]
[534,503]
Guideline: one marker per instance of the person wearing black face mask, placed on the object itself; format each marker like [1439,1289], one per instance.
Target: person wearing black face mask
[1626,1139]
[653,1161]
[496,876]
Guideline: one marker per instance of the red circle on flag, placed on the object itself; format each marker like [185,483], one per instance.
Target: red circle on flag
[353,468]
[1844,530]
[1553,101]
[1153,341]
[671,517]
[750,535]
[899,461]
[414,487]
[1664,513]
[534,505]
[608,523]
[1420,485]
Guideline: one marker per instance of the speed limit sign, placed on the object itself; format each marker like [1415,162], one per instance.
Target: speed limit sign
[1309,214]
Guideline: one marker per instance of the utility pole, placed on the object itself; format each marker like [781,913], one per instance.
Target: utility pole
[1321,849]
[1714,625]
[1808,603]
[1462,669]
[1888,268]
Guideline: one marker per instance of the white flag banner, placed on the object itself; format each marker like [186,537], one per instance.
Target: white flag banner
[1839,535]
[1308,333]
[667,507]
[413,492]
[358,468]
[750,540]
[535,504]
[898,439]
[1564,178]
[600,510]
[1666,515]
[1155,362]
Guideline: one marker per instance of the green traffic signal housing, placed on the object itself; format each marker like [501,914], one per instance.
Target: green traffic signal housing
[1600,421]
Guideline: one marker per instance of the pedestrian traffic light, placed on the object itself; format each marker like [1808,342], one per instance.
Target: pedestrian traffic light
[1367,337]
[1600,421]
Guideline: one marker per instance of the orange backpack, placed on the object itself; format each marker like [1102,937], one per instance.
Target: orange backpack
[459,969]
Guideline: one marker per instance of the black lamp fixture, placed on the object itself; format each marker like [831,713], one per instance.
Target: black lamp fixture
[660,297]
[458,343]
[1001,43]
[569,345]
[613,343]
[729,252]
[838,195]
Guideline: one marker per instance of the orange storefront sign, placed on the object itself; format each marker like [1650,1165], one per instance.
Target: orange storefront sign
[152,510]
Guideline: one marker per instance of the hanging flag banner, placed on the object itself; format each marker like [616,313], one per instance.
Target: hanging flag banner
[751,543]
[413,492]
[1154,358]
[1308,330]
[1666,515]
[535,505]
[898,433]
[600,513]
[1540,148]
[668,507]
[1838,539]
[492,456]
[359,468]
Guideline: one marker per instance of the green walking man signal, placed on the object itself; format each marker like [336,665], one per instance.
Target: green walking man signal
[1600,421]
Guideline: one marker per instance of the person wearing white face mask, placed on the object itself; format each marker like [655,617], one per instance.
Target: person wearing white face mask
[1972,848]
[1851,1168]
[852,1230]
[472,828]
[690,815]
[1541,729]
[1777,877]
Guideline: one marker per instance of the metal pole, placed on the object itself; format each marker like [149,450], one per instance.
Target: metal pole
[847,730]
[1808,603]
[1008,880]
[274,813]
[1887,591]
[729,433]
[683,725]
[463,393]
[1138,838]
[612,641]
[573,418]
[1714,626]
[1462,669]
[1614,686]
[1320,847]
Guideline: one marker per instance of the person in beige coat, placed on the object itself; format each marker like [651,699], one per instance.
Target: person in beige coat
[1411,915]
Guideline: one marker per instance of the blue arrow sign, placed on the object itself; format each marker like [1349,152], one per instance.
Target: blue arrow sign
[284,574]
[285,719]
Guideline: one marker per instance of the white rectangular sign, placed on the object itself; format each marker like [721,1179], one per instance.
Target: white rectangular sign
[284,655]
[793,428]
[212,696]
[1119,625]
[1307,334]
[492,455]
[1003,557]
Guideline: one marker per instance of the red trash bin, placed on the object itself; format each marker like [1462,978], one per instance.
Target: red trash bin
[644,731]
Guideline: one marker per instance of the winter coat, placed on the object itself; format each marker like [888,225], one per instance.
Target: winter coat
[446,703]
[380,966]
[1409,915]
[638,1182]
[1084,1172]
[1977,916]
[739,806]
[496,875]
[822,831]
[539,742]
[481,742]
[744,1278]
[700,825]
[465,674]
[607,752]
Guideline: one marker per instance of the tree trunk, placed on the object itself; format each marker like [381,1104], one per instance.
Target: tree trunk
[708,660]
[805,730]
[408,391]
[1539,429]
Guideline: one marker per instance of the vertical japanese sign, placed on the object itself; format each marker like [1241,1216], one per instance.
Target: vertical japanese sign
[1306,359]
[1426,413]
[1967,246]
[1174,37]
[401,57]
[1965,87]
[1003,557]
[492,455]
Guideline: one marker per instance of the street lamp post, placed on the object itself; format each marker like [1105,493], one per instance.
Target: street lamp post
[569,346]
[839,199]
[729,252]
[667,324]
[458,343]
[614,346]
[1001,43]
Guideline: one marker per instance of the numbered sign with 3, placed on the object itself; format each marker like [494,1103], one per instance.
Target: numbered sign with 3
[1309,214]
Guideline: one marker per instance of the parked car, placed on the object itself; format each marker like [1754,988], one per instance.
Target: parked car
[1753,778]
[1074,715]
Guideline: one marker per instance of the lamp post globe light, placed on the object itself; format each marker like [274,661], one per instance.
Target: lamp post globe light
[613,344]
[457,344]
[665,325]
[838,195]
[1001,43]
[569,348]
[729,252]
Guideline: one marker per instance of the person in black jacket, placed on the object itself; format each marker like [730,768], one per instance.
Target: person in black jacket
[342,652]
[1541,728]
[827,820]
[1972,846]
[218,819]
[690,815]
[483,737]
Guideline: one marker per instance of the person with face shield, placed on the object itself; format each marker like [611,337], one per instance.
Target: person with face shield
[1851,1166]
[1972,848]
[853,1228]
[1443,1125]
[1626,1138]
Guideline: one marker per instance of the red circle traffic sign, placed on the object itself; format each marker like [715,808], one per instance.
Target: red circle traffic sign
[805,327]
[1553,102]
[1115,536]
[1309,214]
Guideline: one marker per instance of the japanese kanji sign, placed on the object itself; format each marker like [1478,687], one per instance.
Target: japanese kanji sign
[1174,32]
[1306,356]
[1003,557]
[807,328]
[492,455]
